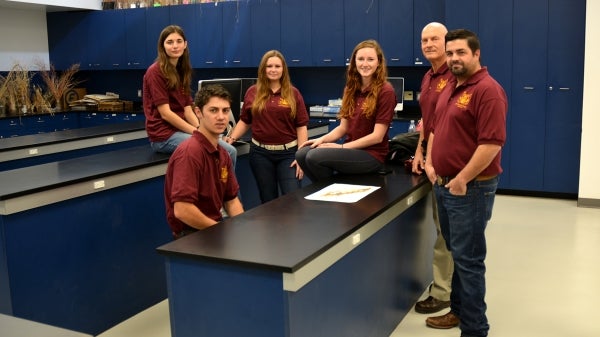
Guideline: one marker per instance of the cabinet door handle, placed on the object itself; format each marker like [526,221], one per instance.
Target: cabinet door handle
[564,89]
[295,61]
[528,88]
[237,61]
[326,60]
[208,62]
[394,59]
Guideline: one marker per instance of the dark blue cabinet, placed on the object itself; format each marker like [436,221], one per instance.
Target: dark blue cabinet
[424,13]
[266,28]
[105,39]
[135,40]
[186,18]
[237,46]
[296,42]
[157,18]
[564,99]
[547,92]
[396,31]
[210,36]
[466,14]
[327,34]
[361,22]
[67,38]
[496,42]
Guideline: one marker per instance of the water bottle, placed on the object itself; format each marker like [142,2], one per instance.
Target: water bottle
[412,126]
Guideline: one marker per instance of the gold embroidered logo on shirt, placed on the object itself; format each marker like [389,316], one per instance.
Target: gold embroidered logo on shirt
[224,174]
[441,85]
[283,102]
[463,100]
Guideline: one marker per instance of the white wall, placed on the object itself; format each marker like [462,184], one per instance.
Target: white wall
[23,38]
[589,179]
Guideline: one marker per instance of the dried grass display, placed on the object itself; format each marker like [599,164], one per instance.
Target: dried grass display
[57,84]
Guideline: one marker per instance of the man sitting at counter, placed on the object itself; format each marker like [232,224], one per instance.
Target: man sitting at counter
[193,196]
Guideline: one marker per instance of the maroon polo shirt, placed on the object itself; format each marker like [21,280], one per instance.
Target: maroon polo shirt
[274,125]
[200,174]
[465,117]
[155,93]
[360,126]
[431,86]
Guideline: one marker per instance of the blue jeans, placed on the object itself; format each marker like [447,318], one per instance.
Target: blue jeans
[463,220]
[321,163]
[169,145]
[272,171]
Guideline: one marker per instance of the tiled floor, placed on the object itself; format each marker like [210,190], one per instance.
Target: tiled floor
[543,276]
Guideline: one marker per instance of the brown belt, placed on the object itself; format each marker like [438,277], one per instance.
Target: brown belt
[442,181]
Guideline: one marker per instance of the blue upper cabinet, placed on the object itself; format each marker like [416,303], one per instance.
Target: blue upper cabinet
[266,28]
[396,31]
[465,14]
[237,45]
[327,33]
[135,35]
[361,22]
[66,38]
[424,13]
[209,22]
[296,32]
[186,18]
[106,42]
[157,18]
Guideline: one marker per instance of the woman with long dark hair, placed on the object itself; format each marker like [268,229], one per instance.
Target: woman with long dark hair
[167,95]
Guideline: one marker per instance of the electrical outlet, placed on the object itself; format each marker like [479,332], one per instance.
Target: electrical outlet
[139,92]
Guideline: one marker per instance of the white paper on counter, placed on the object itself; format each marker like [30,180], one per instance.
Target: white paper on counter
[342,193]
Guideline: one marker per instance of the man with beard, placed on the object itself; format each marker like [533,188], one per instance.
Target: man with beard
[463,163]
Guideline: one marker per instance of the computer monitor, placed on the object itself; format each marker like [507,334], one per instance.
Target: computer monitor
[398,84]
[247,83]
[234,86]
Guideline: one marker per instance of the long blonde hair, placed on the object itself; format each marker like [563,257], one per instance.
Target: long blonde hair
[262,85]
[181,75]
[354,83]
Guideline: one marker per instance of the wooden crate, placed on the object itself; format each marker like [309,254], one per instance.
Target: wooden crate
[110,106]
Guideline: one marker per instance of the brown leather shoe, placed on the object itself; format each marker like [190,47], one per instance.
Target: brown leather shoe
[431,305]
[447,321]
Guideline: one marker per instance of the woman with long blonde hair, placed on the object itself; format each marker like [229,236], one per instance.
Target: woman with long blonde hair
[275,111]
[366,113]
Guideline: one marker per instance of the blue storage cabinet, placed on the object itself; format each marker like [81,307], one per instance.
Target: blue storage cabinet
[237,38]
[396,31]
[136,56]
[67,33]
[547,91]
[296,44]
[265,16]
[327,33]
[361,22]
[210,33]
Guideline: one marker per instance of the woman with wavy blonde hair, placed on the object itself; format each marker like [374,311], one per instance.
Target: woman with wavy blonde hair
[366,113]
[275,111]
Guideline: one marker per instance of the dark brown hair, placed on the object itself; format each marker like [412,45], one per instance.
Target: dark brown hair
[180,76]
